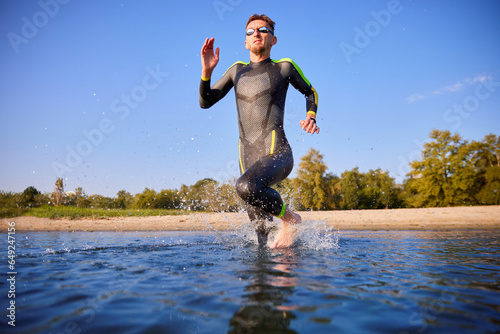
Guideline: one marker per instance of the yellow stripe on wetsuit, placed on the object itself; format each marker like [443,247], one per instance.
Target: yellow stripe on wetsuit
[315,96]
[241,163]
[273,141]
[273,144]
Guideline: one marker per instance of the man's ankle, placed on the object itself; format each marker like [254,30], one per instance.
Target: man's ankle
[291,217]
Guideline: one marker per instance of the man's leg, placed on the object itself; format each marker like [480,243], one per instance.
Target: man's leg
[254,187]
[261,219]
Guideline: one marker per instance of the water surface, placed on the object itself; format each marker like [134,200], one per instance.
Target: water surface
[177,282]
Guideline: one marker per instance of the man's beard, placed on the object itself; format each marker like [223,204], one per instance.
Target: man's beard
[258,49]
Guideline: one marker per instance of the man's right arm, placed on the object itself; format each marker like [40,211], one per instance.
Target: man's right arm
[211,95]
[209,60]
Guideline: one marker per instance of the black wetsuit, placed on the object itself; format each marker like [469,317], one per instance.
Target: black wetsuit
[265,154]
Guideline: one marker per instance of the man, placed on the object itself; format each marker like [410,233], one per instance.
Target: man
[265,154]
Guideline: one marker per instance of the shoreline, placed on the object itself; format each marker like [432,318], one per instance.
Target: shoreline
[449,218]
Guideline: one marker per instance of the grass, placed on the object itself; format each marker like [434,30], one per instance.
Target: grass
[11,212]
[72,212]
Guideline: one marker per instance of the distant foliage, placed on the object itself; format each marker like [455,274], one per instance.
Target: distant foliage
[318,190]
[58,194]
[372,190]
[454,171]
[451,172]
[312,182]
[490,192]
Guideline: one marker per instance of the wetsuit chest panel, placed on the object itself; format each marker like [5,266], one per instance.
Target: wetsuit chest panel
[260,97]
[250,87]
[253,93]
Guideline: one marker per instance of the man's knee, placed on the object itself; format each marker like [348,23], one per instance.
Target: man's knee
[246,189]
[242,188]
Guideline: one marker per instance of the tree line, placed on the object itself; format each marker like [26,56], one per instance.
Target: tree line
[450,172]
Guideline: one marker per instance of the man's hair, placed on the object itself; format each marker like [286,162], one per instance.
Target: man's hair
[263,18]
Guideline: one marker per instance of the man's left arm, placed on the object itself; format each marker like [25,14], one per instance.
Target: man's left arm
[299,81]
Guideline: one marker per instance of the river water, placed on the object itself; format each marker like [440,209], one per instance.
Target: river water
[214,282]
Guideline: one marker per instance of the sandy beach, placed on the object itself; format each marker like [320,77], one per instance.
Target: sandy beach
[456,218]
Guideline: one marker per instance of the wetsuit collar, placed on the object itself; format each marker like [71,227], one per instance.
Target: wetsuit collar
[265,61]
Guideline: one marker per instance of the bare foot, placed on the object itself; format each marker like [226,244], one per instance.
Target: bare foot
[288,233]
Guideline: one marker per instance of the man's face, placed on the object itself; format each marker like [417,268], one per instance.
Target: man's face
[259,42]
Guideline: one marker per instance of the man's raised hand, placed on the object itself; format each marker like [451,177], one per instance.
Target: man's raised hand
[209,59]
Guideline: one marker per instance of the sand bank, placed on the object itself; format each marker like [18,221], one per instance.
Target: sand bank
[456,218]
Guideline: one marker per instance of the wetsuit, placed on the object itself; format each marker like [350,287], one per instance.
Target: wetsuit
[265,154]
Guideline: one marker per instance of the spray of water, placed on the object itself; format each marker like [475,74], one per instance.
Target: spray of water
[312,234]
[239,234]
[317,235]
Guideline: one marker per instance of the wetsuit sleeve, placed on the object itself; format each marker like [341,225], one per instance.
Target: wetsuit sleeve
[299,81]
[211,95]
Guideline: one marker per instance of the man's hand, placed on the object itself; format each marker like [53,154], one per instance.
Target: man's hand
[208,59]
[309,125]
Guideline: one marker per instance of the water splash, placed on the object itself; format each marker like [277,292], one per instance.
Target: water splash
[317,235]
[239,234]
[312,234]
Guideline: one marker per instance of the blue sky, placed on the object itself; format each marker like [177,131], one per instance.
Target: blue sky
[105,93]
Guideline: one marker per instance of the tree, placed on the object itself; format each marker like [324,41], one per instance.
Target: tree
[29,196]
[167,199]
[487,152]
[220,197]
[146,199]
[372,190]
[81,198]
[289,193]
[123,199]
[379,190]
[100,202]
[228,199]
[9,200]
[486,159]
[10,204]
[490,193]
[351,189]
[445,175]
[204,192]
[207,194]
[186,198]
[334,183]
[311,181]
[77,198]
[58,194]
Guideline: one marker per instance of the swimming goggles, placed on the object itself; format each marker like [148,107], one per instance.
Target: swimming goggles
[262,30]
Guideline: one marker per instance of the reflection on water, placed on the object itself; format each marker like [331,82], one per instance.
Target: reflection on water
[159,282]
[271,283]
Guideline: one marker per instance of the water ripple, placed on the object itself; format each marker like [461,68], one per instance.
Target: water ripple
[216,282]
